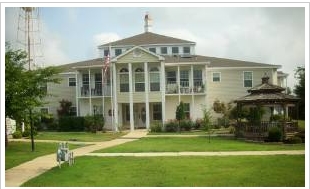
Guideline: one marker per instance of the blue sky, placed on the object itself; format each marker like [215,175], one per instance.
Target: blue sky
[266,35]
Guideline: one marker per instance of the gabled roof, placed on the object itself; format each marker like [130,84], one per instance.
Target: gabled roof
[147,38]
[215,62]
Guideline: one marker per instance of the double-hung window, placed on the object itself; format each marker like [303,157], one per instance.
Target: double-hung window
[247,79]
[118,52]
[175,50]
[184,78]
[139,80]
[198,78]
[154,79]
[163,50]
[157,112]
[72,81]
[187,110]
[216,76]
[124,80]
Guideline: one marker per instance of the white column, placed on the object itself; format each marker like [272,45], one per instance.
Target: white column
[131,98]
[89,91]
[163,91]
[147,106]
[179,83]
[115,99]
[192,107]
[77,86]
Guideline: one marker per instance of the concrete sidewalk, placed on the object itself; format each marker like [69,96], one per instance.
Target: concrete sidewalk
[226,153]
[16,176]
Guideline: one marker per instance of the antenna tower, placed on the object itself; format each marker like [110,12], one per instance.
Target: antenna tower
[28,35]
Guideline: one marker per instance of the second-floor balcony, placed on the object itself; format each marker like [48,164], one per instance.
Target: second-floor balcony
[184,87]
[96,91]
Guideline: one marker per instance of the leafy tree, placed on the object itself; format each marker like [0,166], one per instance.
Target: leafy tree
[23,88]
[206,120]
[299,90]
[64,109]
[180,113]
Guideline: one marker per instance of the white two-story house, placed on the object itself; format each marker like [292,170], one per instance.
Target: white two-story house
[148,75]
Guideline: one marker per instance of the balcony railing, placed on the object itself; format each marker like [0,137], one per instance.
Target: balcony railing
[85,91]
[185,88]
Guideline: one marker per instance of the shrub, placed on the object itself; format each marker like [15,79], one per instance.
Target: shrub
[68,123]
[93,123]
[198,124]
[17,134]
[274,134]
[26,133]
[293,140]
[171,126]
[186,125]
[156,127]
[224,121]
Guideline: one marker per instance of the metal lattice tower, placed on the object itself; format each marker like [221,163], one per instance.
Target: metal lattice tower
[28,35]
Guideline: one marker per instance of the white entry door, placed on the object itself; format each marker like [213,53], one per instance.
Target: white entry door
[139,115]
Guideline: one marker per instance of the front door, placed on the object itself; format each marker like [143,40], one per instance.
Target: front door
[139,115]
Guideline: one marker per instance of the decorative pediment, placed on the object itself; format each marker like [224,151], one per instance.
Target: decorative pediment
[137,54]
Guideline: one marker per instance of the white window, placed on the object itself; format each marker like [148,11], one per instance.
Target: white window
[152,49]
[247,79]
[184,78]
[216,76]
[175,50]
[139,80]
[163,50]
[198,78]
[187,110]
[154,79]
[71,82]
[186,50]
[124,80]
[157,112]
[118,52]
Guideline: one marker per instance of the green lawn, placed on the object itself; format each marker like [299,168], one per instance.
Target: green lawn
[79,136]
[234,171]
[19,152]
[196,144]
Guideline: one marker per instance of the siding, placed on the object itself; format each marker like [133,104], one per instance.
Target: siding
[58,92]
[231,85]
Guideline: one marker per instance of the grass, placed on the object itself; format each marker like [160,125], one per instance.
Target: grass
[234,171]
[196,144]
[19,152]
[79,136]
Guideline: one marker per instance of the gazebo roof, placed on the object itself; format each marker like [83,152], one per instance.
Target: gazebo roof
[266,93]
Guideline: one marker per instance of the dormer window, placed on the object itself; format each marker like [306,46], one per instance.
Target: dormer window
[163,50]
[175,50]
[118,52]
[152,49]
[186,50]
[106,52]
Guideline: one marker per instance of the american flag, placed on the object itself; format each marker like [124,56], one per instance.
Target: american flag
[106,65]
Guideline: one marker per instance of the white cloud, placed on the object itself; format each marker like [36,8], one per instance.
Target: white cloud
[103,38]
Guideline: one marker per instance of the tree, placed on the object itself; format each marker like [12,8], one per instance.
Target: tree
[64,109]
[23,88]
[207,126]
[299,90]
[180,113]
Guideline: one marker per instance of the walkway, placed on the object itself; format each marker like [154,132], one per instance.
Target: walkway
[16,176]
[226,153]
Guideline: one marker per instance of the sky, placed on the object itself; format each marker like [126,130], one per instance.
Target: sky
[271,35]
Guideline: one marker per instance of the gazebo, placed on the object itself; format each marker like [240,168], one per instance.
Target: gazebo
[271,98]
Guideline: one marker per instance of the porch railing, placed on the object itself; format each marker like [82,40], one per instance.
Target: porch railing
[260,129]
